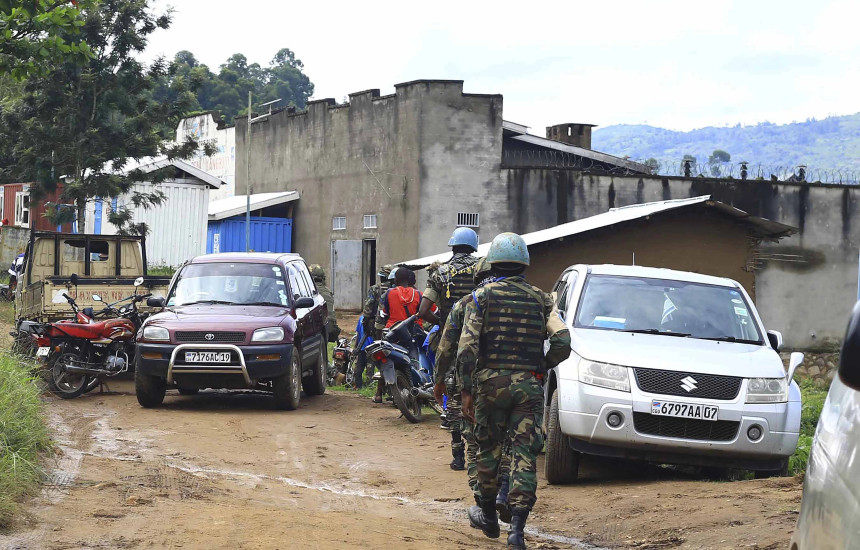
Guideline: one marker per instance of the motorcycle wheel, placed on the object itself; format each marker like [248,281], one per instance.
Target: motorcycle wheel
[408,404]
[350,372]
[65,385]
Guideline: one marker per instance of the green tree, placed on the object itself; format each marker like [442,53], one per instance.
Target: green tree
[716,160]
[37,33]
[85,122]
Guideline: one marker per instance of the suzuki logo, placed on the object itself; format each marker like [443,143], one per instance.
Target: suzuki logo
[211,337]
[689,384]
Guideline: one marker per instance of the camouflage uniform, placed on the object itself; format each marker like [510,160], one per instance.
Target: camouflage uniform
[448,283]
[446,363]
[501,357]
[318,275]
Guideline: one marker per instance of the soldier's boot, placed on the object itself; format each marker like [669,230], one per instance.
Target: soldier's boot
[484,517]
[459,462]
[502,506]
[516,537]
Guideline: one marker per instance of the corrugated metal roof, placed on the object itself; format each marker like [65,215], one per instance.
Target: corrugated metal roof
[572,149]
[233,206]
[765,228]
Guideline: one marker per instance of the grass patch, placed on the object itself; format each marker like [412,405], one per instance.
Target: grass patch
[23,436]
[161,270]
[7,312]
[813,397]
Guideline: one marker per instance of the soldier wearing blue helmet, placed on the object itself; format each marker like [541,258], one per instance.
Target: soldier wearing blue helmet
[501,361]
[446,284]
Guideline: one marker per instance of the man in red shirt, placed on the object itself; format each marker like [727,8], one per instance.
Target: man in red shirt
[399,303]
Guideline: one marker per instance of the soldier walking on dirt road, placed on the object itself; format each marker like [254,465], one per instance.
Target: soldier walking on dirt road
[448,283]
[446,367]
[502,361]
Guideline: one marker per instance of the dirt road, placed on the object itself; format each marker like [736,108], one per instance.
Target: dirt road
[227,471]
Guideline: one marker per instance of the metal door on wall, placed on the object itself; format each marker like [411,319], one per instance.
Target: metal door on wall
[346,274]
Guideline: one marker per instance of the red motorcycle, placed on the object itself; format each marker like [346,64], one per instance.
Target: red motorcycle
[80,353]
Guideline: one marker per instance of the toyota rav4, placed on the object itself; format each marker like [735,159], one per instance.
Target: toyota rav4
[235,321]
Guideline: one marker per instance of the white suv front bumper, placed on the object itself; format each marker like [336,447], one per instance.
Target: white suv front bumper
[584,409]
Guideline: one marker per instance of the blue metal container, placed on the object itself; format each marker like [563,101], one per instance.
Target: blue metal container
[267,235]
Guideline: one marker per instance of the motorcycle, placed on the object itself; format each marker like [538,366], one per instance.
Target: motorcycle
[405,370]
[345,357]
[80,353]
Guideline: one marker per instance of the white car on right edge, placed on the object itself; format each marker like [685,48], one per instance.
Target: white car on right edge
[668,367]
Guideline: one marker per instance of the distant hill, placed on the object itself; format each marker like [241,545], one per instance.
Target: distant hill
[832,143]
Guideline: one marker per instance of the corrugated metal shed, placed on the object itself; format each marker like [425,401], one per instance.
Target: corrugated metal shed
[762,227]
[178,226]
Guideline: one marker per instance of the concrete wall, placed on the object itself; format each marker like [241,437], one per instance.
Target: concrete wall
[805,285]
[414,158]
[695,239]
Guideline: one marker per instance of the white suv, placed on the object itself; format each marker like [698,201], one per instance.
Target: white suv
[670,367]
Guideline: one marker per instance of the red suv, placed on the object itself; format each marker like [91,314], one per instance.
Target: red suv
[236,321]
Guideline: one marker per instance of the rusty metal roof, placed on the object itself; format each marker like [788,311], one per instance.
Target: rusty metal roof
[761,227]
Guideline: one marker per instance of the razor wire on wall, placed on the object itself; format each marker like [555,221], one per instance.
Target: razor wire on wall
[688,168]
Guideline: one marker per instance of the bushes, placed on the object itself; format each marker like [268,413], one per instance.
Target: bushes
[23,436]
[813,397]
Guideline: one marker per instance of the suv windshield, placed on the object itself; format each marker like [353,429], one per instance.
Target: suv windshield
[226,283]
[673,308]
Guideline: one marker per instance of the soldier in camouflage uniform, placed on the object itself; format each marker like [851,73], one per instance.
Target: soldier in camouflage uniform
[318,275]
[446,285]
[371,305]
[501,356]
[446,366]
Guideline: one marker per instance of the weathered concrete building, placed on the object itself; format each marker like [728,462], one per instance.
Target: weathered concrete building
[384,178]
[387,178]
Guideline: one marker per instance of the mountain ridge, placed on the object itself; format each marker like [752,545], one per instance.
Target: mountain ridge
[832,143]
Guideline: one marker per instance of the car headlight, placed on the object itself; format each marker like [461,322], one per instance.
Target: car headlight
[156,333]
[271,334]
[614,377]
[767,390]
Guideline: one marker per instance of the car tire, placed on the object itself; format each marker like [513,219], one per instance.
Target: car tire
[562,462]
[287,388]
[315,383]
[150,390]
[188,391]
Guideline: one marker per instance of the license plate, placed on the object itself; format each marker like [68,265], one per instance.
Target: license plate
[207,356]
[43,352]
[685,410]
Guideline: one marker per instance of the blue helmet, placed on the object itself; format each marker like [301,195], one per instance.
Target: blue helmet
[463,236]
[508,248]
[393,274]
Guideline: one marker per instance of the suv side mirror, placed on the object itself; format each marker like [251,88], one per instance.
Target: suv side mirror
[794,361]
[849,359]
[303,303]
[155,302]
[775,339]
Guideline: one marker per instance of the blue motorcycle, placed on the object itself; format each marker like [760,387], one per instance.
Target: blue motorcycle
[342,369]
[405,369]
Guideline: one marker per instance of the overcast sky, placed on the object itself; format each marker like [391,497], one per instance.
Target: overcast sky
[678,65]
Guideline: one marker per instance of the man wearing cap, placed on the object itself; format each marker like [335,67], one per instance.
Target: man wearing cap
[448,283]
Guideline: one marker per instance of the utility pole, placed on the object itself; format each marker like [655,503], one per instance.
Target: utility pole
[248,179]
